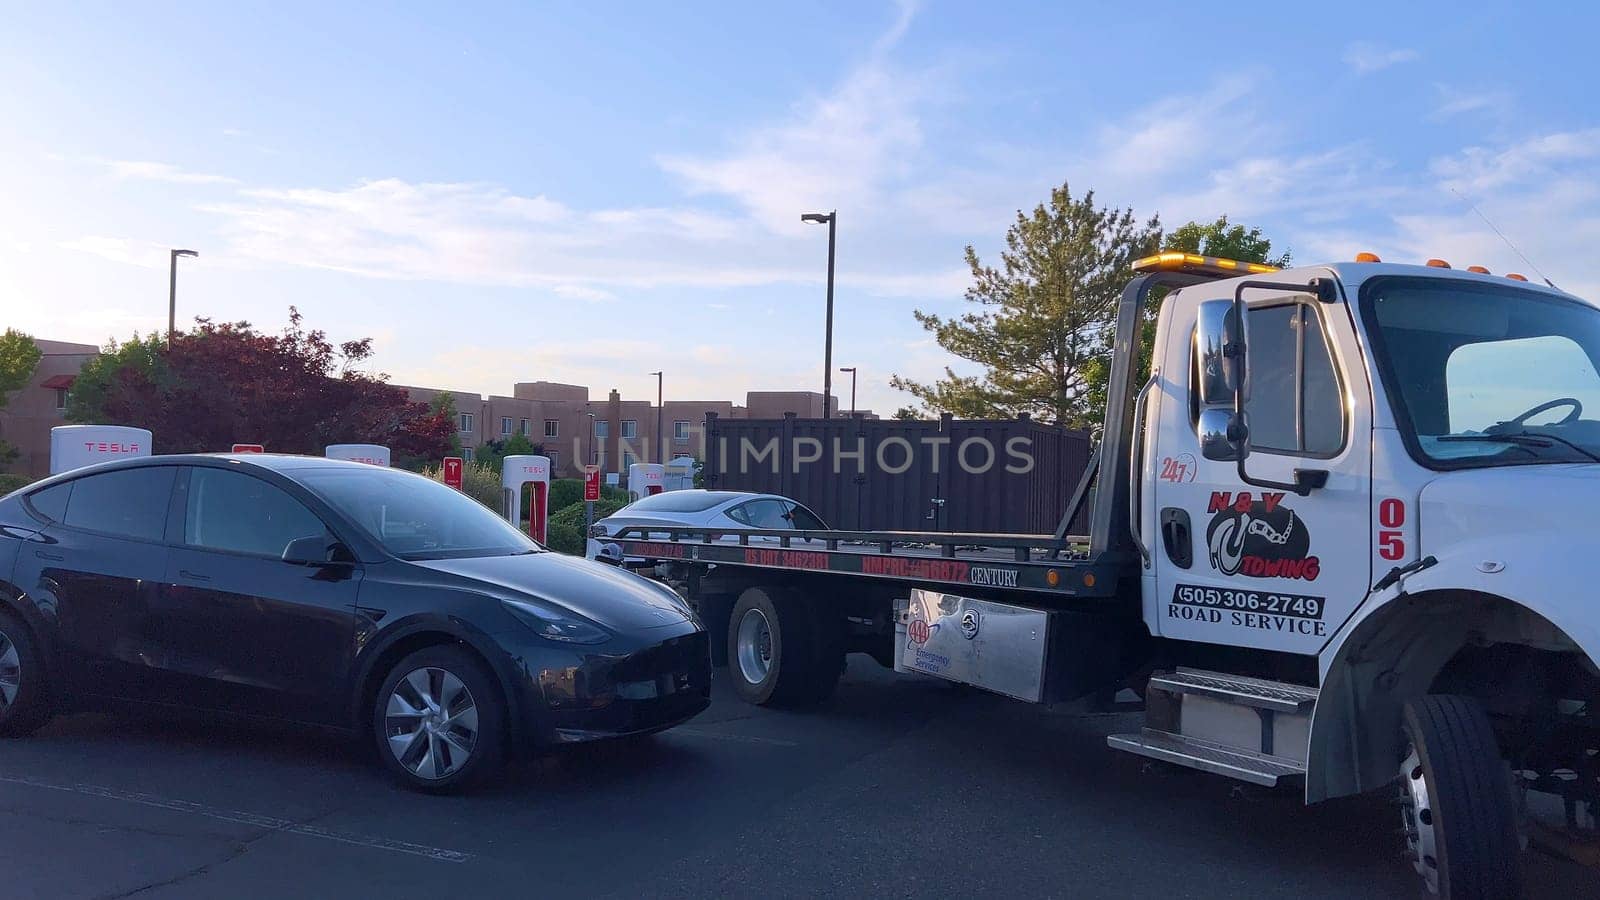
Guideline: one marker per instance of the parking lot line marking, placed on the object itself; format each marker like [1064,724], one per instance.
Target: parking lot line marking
[245,818]
[740,738]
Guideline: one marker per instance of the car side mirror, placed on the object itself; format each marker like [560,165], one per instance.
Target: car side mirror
[309,551]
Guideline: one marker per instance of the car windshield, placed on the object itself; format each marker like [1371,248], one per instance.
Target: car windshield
[415,517]
[1481,375]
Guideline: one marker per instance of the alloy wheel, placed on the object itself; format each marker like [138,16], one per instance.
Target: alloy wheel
[1416,818]
[431,722]
[10,672]
[754,647]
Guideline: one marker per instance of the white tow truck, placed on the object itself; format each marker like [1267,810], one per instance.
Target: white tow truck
[1342,534]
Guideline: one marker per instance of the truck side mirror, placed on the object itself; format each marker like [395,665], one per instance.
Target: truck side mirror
[1223,437]
[1219,341]
[1222,380]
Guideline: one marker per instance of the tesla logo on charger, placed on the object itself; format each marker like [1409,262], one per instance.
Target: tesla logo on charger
[109,447]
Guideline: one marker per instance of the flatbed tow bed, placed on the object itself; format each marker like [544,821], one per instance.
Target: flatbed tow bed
[1041,565]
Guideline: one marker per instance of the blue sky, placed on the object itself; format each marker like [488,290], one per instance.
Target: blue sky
[591,192]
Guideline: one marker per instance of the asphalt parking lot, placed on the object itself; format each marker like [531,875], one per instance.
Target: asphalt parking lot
[896,788]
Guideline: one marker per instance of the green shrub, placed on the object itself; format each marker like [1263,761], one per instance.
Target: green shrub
[566,491]
[564,532]
[9,483]
[479,482]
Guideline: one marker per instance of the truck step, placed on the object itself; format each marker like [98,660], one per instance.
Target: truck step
[1256,768]
[1278,696]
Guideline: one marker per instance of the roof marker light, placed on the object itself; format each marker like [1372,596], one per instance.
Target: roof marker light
[1438,264]
[1515,277]
[1173,260]
[1479,269]
[1367,257]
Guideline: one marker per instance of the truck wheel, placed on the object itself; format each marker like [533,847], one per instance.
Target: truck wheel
[1456,801]
[24,702]
[779,653]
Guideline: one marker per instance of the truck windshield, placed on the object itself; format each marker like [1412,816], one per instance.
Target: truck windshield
[1481,375]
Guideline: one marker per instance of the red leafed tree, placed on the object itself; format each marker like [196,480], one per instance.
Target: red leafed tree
[221,384]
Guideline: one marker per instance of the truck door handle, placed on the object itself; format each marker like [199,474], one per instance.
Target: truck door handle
[1175,536]
[192,576]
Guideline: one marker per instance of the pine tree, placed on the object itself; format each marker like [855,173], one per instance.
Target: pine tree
[1039,330]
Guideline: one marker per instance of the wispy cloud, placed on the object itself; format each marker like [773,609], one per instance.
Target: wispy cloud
[841,150]
[144,254]
[157,171]
[1366,57]
[1453,102]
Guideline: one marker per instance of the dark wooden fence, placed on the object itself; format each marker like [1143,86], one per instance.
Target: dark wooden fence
[975,476]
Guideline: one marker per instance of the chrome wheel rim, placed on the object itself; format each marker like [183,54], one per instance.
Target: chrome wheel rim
[1417,819]
[754,647]
[431,723]
[10,672]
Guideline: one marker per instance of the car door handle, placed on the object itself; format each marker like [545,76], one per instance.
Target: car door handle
[50,556]
[193,576]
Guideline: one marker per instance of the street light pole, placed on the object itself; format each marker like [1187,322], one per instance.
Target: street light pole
[852,371]
[661,439]
[832,218]
[172,293]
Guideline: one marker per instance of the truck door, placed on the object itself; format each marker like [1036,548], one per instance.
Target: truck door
[1241,565]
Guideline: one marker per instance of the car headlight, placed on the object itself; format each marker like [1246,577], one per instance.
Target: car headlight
[557,625]
[598,531]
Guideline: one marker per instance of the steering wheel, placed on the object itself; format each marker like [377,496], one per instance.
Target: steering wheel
[1577,410]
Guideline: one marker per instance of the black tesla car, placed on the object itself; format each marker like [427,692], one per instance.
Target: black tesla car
[334,593]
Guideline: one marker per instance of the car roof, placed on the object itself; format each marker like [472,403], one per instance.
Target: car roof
[275,462]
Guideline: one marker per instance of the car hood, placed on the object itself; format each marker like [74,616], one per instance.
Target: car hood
[606,595]
[1475,504]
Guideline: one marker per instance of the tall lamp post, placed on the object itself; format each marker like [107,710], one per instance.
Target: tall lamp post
[852,371]
[172,294]
[832,219]
[661,439]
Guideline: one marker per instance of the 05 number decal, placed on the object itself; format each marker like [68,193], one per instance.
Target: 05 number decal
[1391,518]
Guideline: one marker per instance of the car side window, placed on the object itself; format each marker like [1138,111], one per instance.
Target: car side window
[804,519]
[52,501]
[766,514]
[738,515]
[127,502]
[240,513]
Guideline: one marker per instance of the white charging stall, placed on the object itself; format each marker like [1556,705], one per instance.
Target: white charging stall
[76,446]
[646,479]
[680,473]
[372,454]
[533,471]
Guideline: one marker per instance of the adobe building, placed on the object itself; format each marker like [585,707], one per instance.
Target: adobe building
[571,427]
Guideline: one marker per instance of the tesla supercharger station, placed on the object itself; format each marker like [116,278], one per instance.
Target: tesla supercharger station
[372,454]
[533,471]
[646,479]
[76,446]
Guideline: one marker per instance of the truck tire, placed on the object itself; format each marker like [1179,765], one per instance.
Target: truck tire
[1456,802]
[780,652]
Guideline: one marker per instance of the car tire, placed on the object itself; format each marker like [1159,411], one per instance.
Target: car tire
[1457,803]
[24,694]
[429,736]
[780,652]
